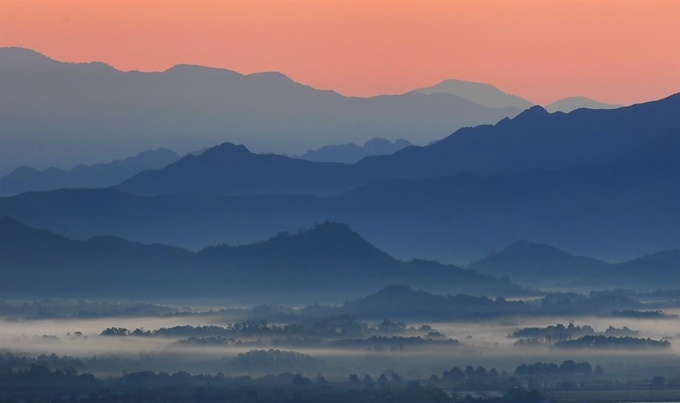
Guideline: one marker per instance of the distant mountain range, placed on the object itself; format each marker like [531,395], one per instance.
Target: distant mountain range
[491,97]
[351,153]
[534,140]
[316,265]
[482,94]
[602,183]
[572,103]
[540,265]
[59,114]
[609,210]
[25,179]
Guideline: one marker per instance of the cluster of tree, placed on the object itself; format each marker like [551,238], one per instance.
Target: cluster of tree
[611,342]
[632,313]
[9,360]
[474,379]
[216,341]
[533,336]
[257,360]
[29,381]
[394,341]
[336,326]
[39,384]
[569,367]
[582,304]
[554,333]
[299,390]
[659,295]
[49,309]
[387,378]
[623,332]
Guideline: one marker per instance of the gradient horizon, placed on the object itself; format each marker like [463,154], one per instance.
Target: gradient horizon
[619,52]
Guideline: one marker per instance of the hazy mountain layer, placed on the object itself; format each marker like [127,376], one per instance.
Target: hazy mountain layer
[572,103]
[59,114]
[351,153]
[25,179]
[540,265]
[612,211]
[325,262]
[534,140]
[482,94]
[607,186]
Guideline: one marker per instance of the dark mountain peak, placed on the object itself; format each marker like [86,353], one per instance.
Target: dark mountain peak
[227,150]
[326,244]
[535,112]
[333,230]
[331,235]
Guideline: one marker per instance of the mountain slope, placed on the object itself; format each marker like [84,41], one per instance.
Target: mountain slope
[646,272]
[56,113]
[25,179]
[234,170]
[327,260]
[534,140]
[538,264]
[671,257]
[481,94]
[572,103]
[351,153]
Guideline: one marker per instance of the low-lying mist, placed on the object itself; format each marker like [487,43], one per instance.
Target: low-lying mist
[416,349]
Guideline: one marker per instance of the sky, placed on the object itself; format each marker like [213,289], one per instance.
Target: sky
[615,51]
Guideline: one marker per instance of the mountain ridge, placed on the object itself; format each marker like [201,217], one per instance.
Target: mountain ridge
[479,93]
[541,265]
[534,139]
[187,108]
[328,258]
[351,153]
[569,104]
[26,178]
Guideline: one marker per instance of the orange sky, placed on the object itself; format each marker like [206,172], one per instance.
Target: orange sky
[616,51]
